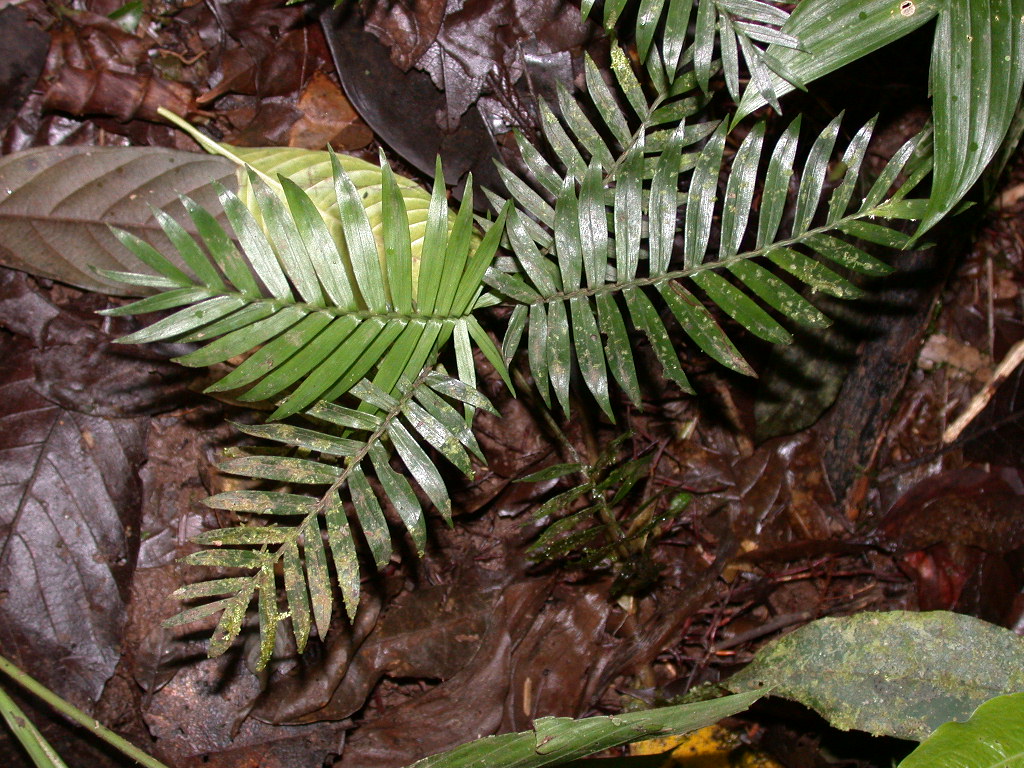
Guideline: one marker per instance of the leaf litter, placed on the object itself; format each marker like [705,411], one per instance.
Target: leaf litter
[764,546]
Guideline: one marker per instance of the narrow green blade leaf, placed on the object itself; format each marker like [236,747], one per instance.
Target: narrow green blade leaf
[559,353]
[457,253]
[186,320]
[245,535]
[877,234]
[567,236]
[617,347]
[739,193]
[344,417]
[478,264]
[704,45]
[191,253]
[741,308]
[212,588]
[421,468]
[300,437]
[663,207]
[262,502]
[815,274]
[275,353]
[976,77]
[700,206]
[343,552]
[243,318]
[776,185]
[151,257]
[230,623]
[175,297]
[225,558]
[778,294]
[432,260]
[537,351]
[297,594]
[359,240]
[645,317]
[847,255]
[287,244]
[853,157]
[305,360]
[438,435]
[397,242]
[401,495]
[815,169]
[628,215]
[220,246]
[255,245]
[589,353]
[560,142]
[605,102]
[318,577]
[584,131]
[700,326]
[371,516]
[373,354]
[283,468]
[244,339]
[329,263]
[266,607]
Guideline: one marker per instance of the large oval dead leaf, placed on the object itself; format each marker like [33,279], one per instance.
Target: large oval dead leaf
[56,204]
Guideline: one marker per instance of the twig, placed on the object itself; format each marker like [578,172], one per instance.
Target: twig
[1009,364]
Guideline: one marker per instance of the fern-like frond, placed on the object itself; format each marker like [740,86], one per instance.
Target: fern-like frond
[742,28]
[607,251]
[316,311]
[335,460]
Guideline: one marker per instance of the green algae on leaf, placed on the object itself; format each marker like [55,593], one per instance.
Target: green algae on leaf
[896,673]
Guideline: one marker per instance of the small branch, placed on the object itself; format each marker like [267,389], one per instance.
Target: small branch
[1009,364]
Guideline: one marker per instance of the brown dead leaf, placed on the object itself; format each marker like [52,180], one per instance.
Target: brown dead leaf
[327,118]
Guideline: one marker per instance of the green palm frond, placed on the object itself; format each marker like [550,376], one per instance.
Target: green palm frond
[287,531]
[317,311]
[608,244]
[742,29]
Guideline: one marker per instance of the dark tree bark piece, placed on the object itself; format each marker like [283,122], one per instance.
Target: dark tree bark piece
[890,321]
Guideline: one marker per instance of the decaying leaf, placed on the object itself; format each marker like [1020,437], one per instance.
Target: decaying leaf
[68,522]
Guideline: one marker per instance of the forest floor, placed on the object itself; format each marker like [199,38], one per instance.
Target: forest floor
[823,488]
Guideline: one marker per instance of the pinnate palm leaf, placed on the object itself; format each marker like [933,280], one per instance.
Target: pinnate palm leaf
[610,242]
[739,25]
[314,313]
[337,455]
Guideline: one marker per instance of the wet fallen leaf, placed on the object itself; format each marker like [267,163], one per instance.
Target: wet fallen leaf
[23,48]
[69,531]
[327,118]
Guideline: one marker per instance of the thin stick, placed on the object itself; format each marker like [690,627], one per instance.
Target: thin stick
[1009,364]
[76,715]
